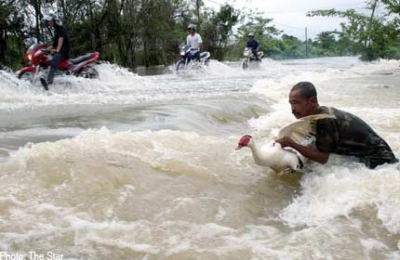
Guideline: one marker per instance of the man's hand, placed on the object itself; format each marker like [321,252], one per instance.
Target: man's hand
[309,152]
[52,50]
[285,141]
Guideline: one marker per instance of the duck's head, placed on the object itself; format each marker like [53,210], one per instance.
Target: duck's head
[244,141]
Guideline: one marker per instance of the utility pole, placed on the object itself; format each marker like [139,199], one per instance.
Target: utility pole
[306,44]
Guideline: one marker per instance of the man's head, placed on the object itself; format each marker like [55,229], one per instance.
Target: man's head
[51,20]
[251,36]
[303,99]
[192,29]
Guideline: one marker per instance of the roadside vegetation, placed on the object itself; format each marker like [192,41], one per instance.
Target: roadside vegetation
[135,33]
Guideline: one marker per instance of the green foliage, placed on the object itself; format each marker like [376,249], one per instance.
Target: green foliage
[392,5]
[264,33]
[11,23]
[217,30]
[326,39]
[367,36]
[148,32]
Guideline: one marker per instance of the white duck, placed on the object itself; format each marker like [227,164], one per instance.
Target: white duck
[285,159]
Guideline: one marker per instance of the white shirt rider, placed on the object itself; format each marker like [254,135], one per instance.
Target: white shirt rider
[194,41]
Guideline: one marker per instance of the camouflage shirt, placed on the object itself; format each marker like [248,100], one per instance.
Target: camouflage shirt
[350,135]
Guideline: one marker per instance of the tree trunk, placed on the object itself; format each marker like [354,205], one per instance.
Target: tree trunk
[36,6]
[3,47]
[145,55]
[92,29]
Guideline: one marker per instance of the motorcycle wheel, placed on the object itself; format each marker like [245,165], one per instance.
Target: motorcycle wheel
[245,64]
[26,75]
[89,73]
[180,66]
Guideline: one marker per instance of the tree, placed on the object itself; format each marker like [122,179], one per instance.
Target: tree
[326,40]
[392,5]
[217,30]
[11,32]
[366,35]
[292,47]
[259,25]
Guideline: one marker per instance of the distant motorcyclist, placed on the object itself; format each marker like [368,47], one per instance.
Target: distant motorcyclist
[60,48]
[253,45]
[194,40]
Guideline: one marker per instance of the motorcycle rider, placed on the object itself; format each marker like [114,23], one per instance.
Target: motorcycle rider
[60,48]
[194,40]
[253,45]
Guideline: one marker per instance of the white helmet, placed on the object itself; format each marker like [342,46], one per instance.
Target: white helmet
[251,34]
[48,17]
[192,26]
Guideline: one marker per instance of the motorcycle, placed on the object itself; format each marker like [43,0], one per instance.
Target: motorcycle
[248,57]
[189,60]
[40,58]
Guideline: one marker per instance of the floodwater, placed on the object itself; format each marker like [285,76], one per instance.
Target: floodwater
[145,167]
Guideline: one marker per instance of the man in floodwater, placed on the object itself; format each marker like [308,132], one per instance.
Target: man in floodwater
[194,40]
[254,46]
[346,134]
[60,48]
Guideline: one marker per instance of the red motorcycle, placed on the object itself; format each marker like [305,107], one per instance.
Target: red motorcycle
[39,56]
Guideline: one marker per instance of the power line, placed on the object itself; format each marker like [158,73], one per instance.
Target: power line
[347,6]
[295,27]
[289,26]
[214,2]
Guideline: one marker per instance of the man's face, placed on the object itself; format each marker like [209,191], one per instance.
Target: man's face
[191,31]
[51,23]
[300,105]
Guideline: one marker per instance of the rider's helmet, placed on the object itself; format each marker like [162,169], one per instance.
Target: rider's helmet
[251,34]
[192,26]
[48,17]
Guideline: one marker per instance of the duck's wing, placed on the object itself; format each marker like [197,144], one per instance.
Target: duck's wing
[302,129]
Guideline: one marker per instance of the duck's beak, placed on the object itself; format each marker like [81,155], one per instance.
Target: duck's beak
[239,147]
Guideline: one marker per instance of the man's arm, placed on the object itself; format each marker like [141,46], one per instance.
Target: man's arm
[309,152]
[200,41]
[59,44]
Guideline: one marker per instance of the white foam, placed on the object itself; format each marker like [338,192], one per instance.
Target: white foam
[176,194]
[341,187]
[339,191]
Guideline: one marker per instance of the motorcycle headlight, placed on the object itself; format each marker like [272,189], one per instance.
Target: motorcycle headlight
[182,53]
[30,57]
[245,53]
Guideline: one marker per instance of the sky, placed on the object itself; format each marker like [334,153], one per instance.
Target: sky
[290,15]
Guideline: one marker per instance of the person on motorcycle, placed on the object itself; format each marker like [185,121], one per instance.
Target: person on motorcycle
[194,40]
[60,48]
[254,46]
